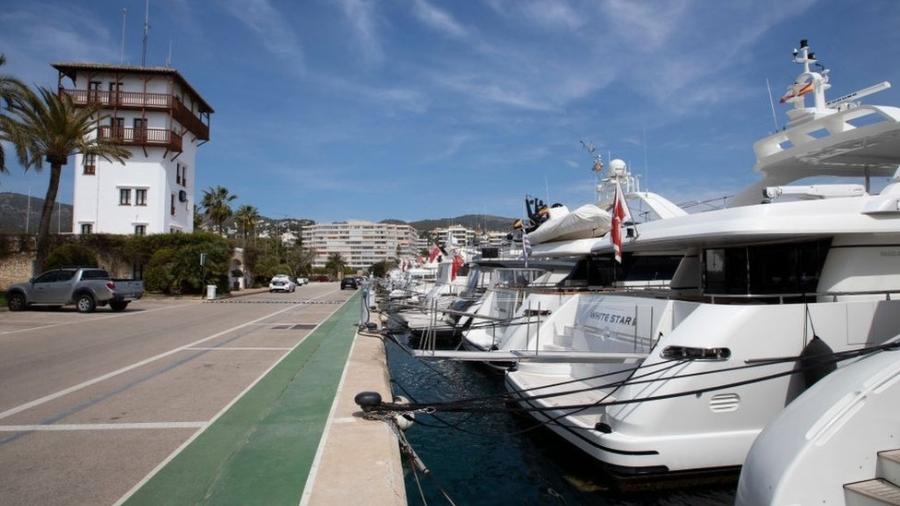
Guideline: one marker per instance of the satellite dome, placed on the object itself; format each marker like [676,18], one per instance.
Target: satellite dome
[618,167]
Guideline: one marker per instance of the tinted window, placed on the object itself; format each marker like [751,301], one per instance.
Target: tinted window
[765,269]
[47,277]
[65,275]
[94,274]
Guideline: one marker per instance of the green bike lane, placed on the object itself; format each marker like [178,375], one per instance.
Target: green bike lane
[261,449]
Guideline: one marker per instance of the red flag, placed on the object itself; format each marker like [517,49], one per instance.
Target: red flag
[620,215]
[435,251]
[457,264]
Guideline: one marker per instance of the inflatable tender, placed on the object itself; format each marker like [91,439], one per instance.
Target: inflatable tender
[562,225]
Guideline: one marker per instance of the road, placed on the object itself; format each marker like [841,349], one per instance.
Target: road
[91,404]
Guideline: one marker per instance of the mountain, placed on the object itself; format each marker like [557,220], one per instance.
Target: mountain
[472,221]
[13,210]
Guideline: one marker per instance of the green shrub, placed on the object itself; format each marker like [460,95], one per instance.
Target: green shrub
[159,273]
[172,261]
[71,255]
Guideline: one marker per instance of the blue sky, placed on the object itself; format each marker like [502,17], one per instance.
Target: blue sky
[339,109]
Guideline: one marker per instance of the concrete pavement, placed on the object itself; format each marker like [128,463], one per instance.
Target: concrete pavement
[91,405]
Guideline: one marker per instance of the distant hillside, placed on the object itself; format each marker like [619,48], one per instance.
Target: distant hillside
[473,221]
[14,207]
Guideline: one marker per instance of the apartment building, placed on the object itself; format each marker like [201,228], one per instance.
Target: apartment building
[360,243]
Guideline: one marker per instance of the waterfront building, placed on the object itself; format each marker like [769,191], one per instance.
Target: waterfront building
[464,237]
[154,113]
[360,243]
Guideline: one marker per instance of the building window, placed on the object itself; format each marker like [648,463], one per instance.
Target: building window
[184,175]
[140,196]
[140,230]
[177,173]
[140,129]
[172,205]
[87,228]
[90,165]
[124,196]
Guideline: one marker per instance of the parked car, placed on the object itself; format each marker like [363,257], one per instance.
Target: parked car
[322,279]
[281,283]
[87,288]
[302,281]
[349,283]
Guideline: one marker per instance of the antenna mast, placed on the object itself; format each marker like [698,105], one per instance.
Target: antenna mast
[146,33]
[122,50]
[169,58]
[772,104]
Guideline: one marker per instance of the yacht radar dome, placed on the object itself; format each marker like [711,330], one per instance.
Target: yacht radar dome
[618,167]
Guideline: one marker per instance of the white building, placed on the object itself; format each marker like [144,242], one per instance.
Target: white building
[156,115]
[465,237]
[360,243]
[494,239]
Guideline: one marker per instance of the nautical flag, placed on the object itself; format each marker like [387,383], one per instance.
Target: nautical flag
[457,264]
[797,90]
[619,217]
[435,251]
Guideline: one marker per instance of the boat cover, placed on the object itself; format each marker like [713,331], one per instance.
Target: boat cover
[585,222]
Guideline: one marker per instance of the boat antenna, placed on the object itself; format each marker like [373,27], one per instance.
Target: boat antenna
[772,105]
[146,33]
[644,143]
[122,50]
[547,188]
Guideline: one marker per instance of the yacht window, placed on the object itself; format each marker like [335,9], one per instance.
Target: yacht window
[765,269]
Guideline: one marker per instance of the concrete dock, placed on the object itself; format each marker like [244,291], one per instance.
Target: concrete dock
[184,402]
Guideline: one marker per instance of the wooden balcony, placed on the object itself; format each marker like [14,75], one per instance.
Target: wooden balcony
[189,120]
[134,100]
[145,137]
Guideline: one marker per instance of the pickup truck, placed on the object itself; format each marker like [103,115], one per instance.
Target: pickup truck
[86,288]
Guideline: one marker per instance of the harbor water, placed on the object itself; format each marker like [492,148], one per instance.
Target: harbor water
[501,458]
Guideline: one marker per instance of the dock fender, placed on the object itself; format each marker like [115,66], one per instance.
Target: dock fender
[816,361]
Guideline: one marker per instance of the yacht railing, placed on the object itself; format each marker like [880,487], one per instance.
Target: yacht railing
[718,298]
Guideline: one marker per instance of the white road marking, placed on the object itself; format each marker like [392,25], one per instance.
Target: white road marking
[314,469]
[88,320]
[221,412]
[241,348]
[103,426]
[98,379]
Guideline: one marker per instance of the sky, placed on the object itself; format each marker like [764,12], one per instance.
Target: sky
[412,109]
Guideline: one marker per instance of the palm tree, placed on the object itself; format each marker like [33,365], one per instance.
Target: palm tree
[336,263]
[47,127]
[216,207]
[10,87]
[247,217]
[198,218]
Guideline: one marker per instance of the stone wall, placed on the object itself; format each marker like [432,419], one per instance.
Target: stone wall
[17,255]
[15,268]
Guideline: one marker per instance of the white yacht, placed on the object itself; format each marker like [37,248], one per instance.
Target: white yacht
[501,305]
[838,443]
[674,383]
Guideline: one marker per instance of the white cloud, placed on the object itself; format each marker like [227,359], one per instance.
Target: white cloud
[548,14]
[28,56]
[273,31]
[438,19]
[362,17]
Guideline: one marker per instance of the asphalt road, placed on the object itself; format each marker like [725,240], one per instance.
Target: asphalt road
[91,404]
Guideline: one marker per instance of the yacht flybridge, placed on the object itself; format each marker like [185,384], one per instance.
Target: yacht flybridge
[684,377]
